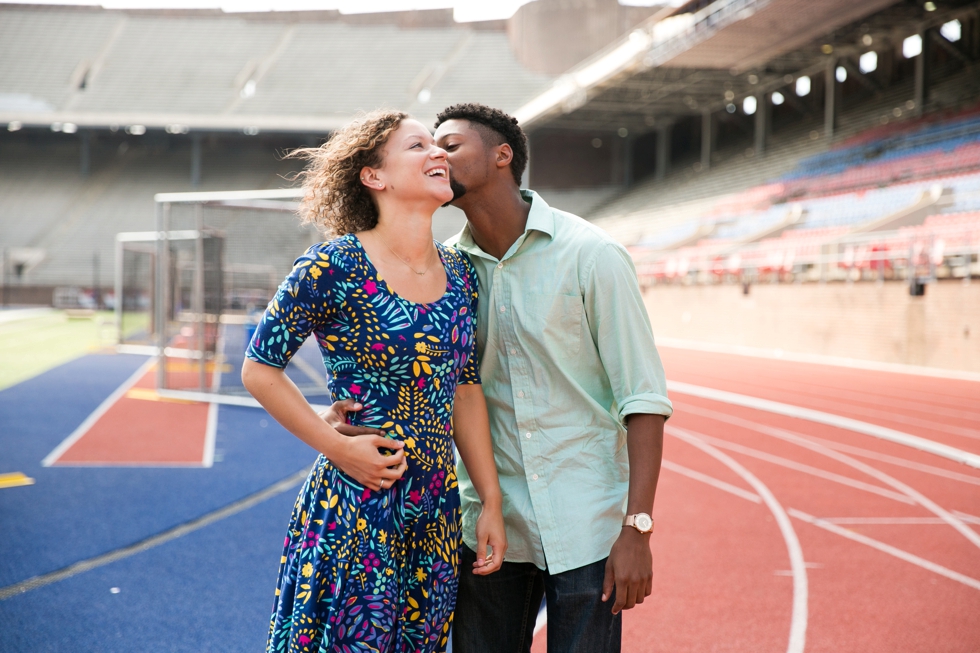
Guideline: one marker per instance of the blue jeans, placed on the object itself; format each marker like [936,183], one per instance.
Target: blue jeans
[496,613]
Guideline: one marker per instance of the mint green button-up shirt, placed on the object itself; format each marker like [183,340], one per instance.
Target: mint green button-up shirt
[566,353]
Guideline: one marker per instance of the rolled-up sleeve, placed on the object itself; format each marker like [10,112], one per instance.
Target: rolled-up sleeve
[622,334]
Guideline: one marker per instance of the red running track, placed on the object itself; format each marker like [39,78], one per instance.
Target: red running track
[884,572]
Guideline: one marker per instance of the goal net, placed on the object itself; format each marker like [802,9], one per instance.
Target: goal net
[192,291]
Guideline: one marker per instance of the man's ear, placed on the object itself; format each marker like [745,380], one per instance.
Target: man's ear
[504,155]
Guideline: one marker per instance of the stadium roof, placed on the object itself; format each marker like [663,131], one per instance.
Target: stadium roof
[301,72]
[683,61]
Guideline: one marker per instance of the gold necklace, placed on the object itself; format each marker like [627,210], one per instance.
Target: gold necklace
[407,264]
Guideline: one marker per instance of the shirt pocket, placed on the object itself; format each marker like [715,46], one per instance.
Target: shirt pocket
[556,320]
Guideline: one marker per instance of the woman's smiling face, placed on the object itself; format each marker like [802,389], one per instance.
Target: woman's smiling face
[413,169]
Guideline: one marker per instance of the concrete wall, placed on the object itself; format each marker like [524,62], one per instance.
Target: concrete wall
[551,36]
[861,320]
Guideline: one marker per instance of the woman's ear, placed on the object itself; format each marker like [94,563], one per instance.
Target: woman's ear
[504,155]
[371,179]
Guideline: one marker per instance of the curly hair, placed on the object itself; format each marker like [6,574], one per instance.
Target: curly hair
[335,200]
[495,127]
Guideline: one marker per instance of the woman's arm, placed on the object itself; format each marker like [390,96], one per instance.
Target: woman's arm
[357,456]
[472,436]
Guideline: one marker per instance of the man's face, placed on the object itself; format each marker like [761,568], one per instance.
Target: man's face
[469,165]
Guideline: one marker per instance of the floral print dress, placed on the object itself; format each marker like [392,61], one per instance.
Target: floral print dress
[364,570]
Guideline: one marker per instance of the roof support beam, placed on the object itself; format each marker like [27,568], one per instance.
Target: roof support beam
[707,138]
[762,122]
[830,98]
[951,48]
[663,151]
[922,70]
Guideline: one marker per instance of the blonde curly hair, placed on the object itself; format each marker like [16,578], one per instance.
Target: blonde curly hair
[335,199]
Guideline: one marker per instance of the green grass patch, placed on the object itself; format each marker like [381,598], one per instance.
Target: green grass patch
[34,345]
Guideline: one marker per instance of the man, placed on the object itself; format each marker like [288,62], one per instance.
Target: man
[577,401]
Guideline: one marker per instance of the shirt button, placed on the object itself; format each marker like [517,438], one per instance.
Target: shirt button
[503,309]
[534,476]
[521,394]
[500,266]
[528,435]
[513,352]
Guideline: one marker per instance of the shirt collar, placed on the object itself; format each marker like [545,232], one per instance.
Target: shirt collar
[540,218]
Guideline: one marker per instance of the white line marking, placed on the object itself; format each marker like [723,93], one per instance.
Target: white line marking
[907,439]
[885,521]
[807,469]
[541,621]
[887,548]
[797,631]
[894,460]
[966,517]
[802,441]
[712,481]
[817,359]
[224,400]
[89,421]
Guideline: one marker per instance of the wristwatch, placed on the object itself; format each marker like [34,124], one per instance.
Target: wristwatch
[640,521]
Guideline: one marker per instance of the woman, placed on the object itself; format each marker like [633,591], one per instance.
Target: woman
[371,554]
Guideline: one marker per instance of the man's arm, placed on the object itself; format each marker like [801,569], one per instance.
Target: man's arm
[630,565]
[621,330]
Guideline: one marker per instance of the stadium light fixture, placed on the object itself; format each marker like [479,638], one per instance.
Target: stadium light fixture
[929,6]
[730,108]
[136,130]
[251,131]
[912,46]
[841,74]
[867,39]
[14,126]
[69,128]
[868,62]
[177,129]
[749,105]
[777,98]
[56,126]
[803,86]
[952,31]
[424,96]
[248,90]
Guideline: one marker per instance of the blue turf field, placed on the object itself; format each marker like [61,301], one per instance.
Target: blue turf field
[210,590]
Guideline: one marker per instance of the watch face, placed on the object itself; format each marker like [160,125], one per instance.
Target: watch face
[643,522]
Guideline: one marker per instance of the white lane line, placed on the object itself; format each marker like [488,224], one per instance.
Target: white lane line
[884,521]
[817,359]
[887,548]
[224,400]
[94,417]
[970,519]
[712,481]
[542,619]
[838,421]
[797,630]
[895,460]
[807,469]
[803,441]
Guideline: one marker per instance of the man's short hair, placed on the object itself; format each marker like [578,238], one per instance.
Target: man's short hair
[495,127]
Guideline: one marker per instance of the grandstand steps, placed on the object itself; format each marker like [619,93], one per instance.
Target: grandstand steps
[928,202]
[795,216]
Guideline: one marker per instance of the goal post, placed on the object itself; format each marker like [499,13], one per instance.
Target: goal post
[191,291]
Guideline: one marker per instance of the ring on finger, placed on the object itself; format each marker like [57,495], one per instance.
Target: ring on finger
[382,484]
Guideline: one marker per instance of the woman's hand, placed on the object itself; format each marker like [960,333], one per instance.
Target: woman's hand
[358,457]
[490,532]
[336,416]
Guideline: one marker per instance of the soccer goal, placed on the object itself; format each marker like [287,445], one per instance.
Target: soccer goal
[192,291]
